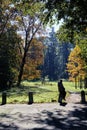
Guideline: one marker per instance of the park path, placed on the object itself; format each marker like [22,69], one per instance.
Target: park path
[45,116]
[74,98]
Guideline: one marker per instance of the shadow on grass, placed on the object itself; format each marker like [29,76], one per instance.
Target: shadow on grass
[57,119]
[25,89]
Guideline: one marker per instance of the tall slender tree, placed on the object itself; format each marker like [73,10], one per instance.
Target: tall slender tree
[29,18]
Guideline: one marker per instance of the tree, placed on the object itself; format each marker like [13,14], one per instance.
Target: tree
[75,65]
[78,38]
[62,57]
[74,18]
[9,58]
[6,15]
[9,52]
[26,16]
[73,12]
[34,60]
[55,58]
[83,46]
[29,18]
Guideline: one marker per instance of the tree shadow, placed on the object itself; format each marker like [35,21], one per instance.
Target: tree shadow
[25,89]
[60,118]
[8,127]
[74,120]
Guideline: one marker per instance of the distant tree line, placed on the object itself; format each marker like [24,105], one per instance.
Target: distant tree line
[55,58]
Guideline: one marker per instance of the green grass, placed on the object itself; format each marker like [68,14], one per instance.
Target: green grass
[41,93]
[70,86]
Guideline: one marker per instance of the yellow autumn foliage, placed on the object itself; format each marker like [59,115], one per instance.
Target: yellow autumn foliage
[75,65]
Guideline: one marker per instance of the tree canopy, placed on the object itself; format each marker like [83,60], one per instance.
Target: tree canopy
[26,18]
[73,12]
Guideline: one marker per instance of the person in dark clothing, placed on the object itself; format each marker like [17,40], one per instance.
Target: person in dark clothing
[62,92]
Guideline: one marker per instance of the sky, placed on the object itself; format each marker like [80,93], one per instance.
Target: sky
[56,26]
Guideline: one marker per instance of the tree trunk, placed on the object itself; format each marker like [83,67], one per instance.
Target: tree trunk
[21,69]
[85,84]
[75,83]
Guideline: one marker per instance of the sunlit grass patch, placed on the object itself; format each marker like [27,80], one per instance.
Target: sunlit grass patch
[42,93]
[17,99]
[46,97]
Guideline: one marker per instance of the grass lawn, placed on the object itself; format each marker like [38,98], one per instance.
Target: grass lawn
[41,93]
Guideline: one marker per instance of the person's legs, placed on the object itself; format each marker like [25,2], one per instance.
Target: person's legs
[64,95]
[60,98]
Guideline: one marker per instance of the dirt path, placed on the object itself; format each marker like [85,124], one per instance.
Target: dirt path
[74,98]
[45,116]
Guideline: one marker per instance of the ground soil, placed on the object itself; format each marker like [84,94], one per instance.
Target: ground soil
[71,115]
[74,98]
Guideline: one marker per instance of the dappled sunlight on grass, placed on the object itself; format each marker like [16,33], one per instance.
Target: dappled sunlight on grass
[17,99]
[70,86]
[46,97]
[47,92]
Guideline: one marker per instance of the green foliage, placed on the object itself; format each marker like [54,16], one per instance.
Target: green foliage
[72,12]
[8,59]
[23,16]
[83,46]
[65,35]
[29,18]
[29,7]
[80,39]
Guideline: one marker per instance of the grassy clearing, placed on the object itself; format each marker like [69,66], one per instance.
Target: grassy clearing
[70,86]
[41,93]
